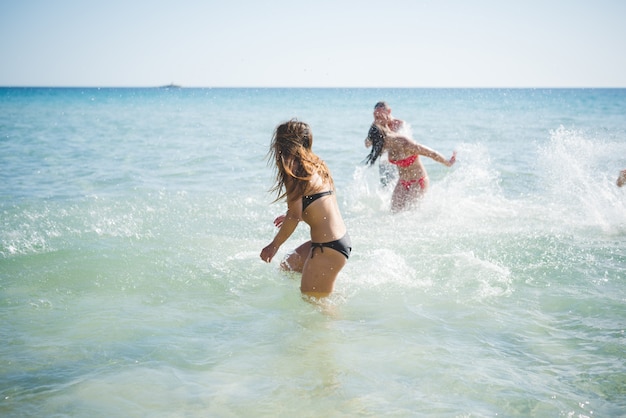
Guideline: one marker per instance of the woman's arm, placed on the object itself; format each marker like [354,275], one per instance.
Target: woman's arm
[411,147]
[427,152]
[289,224]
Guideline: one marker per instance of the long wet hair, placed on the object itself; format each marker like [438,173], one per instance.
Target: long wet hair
[376,134]
[294,159]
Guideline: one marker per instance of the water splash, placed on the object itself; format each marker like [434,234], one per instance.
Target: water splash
[579,189]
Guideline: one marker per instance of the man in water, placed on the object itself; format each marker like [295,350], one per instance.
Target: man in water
[382,117]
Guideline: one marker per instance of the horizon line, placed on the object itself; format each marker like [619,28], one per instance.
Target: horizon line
[178,86]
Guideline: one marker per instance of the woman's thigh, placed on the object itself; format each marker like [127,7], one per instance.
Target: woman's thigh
[321,270]
[400,198]
[403,197]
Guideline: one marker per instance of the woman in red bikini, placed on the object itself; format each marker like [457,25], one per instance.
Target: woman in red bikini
[404,153]
[304,180]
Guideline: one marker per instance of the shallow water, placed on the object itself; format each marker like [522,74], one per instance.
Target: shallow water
[131,284]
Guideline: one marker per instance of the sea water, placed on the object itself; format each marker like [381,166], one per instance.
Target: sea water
[131,285]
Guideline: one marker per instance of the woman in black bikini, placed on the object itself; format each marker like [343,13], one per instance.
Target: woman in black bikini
[304,180]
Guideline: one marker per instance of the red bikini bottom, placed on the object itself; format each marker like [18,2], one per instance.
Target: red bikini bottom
[408,183]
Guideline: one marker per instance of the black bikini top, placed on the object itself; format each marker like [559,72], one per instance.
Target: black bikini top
[307,200]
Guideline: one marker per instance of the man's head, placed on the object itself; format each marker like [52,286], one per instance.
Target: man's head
[382,111]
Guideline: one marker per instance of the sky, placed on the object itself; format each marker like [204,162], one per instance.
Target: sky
[313,43]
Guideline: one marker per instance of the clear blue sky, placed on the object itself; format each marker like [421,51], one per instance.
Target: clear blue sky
[313,43]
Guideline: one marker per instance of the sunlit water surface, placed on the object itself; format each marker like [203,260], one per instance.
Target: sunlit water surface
[131,285]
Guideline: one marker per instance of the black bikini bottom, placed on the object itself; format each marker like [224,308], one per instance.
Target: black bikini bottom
[343,245]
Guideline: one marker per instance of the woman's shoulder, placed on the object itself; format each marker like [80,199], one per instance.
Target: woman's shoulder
[399,140]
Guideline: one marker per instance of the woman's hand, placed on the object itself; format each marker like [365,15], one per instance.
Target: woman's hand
[279,220]
[452,159]
[268,252]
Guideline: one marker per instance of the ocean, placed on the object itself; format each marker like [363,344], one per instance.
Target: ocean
[131,284]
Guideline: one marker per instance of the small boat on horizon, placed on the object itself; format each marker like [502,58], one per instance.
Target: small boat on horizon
[170,86]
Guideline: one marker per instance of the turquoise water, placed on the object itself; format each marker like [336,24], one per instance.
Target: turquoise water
[131,285]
